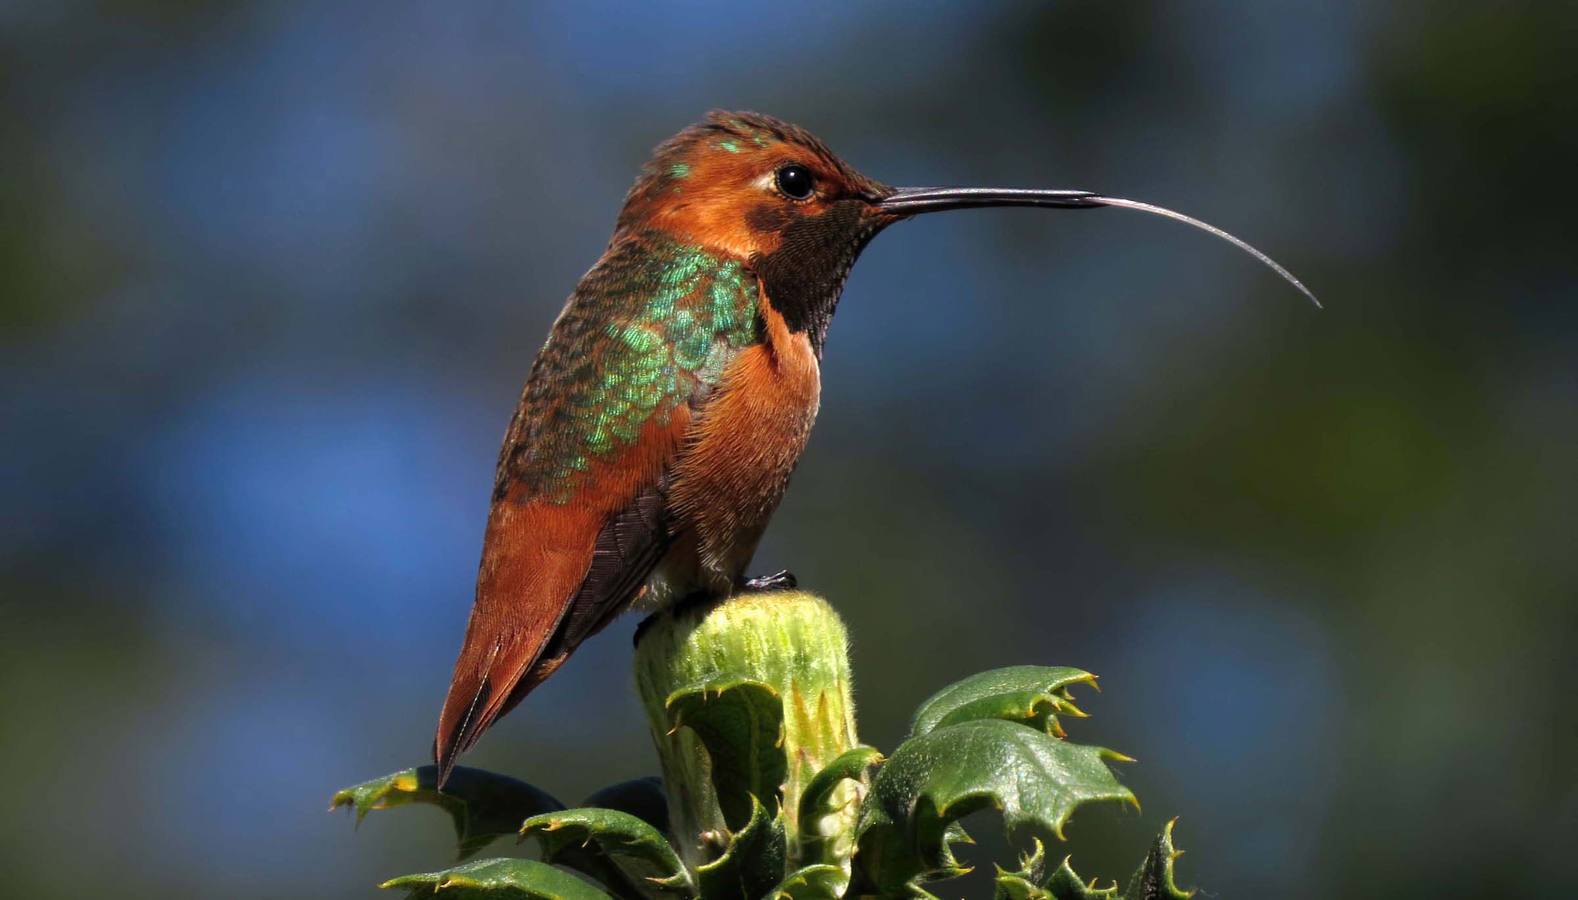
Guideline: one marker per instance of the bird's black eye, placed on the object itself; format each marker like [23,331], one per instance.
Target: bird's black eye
[795,181]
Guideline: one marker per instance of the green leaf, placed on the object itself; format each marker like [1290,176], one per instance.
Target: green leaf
[1035,780]
[1030,695]
[1154,879]
[822,835]
[640,797]
[1065,885]
[498,879]
[954,834]
[815,882]
[753,862]
[1024,884]
[1013,887]
[482,805]
[1031,883]
[740,722]
[639,852]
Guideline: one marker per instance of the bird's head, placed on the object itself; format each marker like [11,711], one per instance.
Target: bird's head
[746,184]
[775,197]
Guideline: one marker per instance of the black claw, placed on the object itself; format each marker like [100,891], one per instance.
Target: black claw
[778,581]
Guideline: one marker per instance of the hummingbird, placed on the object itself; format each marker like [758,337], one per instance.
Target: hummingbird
[662,419]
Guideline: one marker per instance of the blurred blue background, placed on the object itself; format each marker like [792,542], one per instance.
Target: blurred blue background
[271,276]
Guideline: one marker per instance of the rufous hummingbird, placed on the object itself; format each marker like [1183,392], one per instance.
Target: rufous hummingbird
[664,415]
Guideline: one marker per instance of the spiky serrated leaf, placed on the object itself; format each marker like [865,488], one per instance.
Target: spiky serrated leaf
[954,834]
[590,840]
[482,805]
[1010,886]
[1030,695]
[740,722]
[753,862]
[824,836]
[1154,879]
[497,879]
[640,797]
[1063,884]
[1025,882]
[1031,882]
[1035,780]
[1029,708]
[815,882]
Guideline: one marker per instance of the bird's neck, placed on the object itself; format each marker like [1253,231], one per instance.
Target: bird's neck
[805,275]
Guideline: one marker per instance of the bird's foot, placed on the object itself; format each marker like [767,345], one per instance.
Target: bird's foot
[778,581]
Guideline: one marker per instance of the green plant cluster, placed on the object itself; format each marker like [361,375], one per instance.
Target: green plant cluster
[753,720]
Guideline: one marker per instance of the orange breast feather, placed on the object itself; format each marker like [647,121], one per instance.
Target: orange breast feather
[745,446]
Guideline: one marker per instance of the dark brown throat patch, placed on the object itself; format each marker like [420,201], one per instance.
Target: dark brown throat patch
[805,275]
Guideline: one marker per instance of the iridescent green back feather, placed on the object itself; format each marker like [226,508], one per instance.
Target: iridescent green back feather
[650,327]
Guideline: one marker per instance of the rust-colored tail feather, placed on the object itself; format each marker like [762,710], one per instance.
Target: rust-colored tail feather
[551,576]
[537,605]
[488,682]
[524,590]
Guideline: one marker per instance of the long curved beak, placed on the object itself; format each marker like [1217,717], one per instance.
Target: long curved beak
[910,201]
[905,202]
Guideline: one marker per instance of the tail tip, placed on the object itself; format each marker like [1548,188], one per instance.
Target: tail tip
[444,761]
